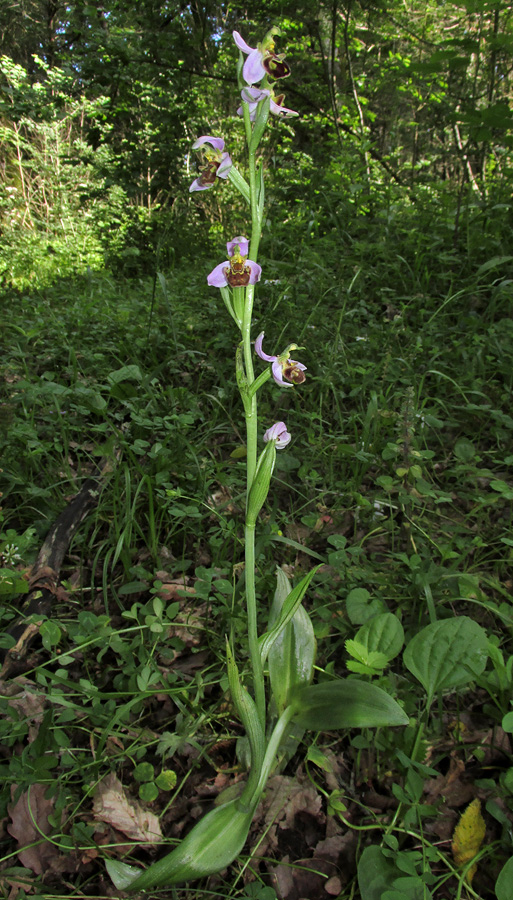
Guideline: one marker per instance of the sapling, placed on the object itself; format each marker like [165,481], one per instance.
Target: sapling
[278,699]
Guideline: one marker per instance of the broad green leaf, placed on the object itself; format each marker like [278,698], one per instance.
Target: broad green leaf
[408,888]
[12,583]
[292,655]
[376,873]
[148,791]
[464,450]
[126,373]
[288,609]
[361,606]
[447,654]
[504,883]
[318,758]
[144,772]
[507,722]
[380,879]
[166,780]
[382,634]
[348,703]
[50,634]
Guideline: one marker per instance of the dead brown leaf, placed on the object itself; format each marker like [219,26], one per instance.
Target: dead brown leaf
[450,786]
[11,888]
[112,805]
[29,825]
[28,702]
[288,807]
[333,886]
[304,878]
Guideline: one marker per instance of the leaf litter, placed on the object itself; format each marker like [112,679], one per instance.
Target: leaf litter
[111,804]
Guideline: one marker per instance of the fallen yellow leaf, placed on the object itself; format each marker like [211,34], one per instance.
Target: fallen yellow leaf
[468,836]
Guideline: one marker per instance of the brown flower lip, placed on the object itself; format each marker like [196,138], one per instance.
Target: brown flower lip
[275,66]
[238,275]
[208,173]
[294,374]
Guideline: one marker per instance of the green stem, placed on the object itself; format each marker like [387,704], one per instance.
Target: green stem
[279,732]
[251,606]
[251,415]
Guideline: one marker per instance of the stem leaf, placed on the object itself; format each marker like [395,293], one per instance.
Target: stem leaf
[288,609]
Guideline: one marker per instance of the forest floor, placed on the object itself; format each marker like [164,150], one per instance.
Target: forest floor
[117,728]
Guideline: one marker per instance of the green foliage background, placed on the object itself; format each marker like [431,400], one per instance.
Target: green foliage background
[404,112]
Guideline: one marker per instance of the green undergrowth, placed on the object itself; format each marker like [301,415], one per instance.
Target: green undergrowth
[399,481]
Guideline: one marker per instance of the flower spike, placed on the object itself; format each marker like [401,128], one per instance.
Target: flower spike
[286,372]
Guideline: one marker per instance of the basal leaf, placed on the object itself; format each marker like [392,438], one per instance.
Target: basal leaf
[212,844]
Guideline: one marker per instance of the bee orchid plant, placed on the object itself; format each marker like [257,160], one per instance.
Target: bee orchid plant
[276,697]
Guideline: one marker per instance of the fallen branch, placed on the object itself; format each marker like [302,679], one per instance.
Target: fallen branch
[44,575]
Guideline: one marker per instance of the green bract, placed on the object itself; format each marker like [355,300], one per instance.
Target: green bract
[261,481]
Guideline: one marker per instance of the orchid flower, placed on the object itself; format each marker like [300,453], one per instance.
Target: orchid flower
[252,96]
[282,367]
[218,163]
[238,271]
[262,60]
[278,433]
